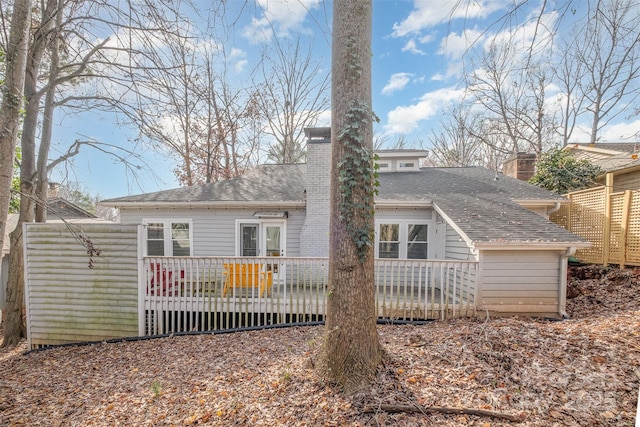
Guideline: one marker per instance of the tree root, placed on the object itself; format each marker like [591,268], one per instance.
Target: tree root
[442,409]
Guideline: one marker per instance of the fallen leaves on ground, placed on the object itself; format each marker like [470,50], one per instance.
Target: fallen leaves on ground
[576,372]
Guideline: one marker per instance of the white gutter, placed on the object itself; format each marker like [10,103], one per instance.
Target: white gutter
[403,203]
[205,204]
[541,202]
[524,245]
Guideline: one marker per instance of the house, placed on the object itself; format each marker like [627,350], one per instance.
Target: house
[620,161]
[607,215]
[462,214]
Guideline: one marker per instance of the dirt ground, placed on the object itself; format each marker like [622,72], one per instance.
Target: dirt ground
[584,371]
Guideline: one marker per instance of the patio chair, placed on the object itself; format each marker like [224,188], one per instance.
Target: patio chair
[247,276]
[162,281]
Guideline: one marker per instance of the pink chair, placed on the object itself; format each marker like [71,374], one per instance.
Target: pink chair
[162,282]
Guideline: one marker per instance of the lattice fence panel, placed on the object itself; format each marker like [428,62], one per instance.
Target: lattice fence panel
[587,220]
[616,230]
[561,216]
[633,231]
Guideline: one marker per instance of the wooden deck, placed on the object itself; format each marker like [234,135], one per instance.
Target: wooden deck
[194,298]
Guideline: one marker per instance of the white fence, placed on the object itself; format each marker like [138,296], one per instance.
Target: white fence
[184,294]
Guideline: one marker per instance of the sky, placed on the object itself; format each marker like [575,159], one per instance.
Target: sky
[418,59]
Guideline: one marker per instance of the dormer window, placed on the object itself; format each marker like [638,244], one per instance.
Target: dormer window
[400,160]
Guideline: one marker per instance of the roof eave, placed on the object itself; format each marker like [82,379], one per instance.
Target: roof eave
[207,204]
[524,245]
[403,203]
[529,203]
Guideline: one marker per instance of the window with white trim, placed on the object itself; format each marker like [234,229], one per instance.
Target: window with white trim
[168,237]
[402,240]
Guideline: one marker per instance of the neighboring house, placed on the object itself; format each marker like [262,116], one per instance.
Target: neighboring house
[620,161]
[608,215]
[466,213]
[60,208]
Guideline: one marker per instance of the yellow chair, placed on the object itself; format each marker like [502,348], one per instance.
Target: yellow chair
[247,276]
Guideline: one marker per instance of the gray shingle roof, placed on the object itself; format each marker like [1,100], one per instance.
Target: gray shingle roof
[623,147]
[432,183]
[479,202]
[265,183]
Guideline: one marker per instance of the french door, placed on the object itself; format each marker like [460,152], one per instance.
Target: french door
[262,239]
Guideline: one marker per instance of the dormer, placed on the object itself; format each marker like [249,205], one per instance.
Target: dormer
[400,160]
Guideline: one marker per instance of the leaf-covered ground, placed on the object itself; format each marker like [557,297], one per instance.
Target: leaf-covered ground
[584,371]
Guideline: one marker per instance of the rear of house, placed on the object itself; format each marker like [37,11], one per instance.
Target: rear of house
[469,214]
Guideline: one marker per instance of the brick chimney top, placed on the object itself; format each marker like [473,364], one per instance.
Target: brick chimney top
[522,166]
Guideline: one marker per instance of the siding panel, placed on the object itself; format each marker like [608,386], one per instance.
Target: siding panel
[69,302]
[456,247]
[214,230]
[521,282]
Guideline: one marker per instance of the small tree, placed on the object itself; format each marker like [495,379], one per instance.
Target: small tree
[560,172]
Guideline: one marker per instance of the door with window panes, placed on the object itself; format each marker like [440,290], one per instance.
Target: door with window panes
[263,239]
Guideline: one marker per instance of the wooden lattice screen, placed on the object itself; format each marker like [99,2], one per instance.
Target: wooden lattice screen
[610,222]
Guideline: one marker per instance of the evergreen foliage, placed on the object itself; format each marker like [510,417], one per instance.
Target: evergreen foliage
[558,171]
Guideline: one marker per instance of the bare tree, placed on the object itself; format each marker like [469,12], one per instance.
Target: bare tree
[454,145]
[293,97]
[16,53]
[352,351]
[514,100]
[609,52]
[184,104]
[568,75]
[47,31]
[229,129]
[14,328]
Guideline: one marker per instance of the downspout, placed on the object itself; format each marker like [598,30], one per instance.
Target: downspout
[562,291]
[554,209]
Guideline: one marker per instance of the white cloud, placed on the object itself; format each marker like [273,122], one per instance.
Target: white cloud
[411,47]
[429,13]
[397,82]
[622,132]
[405,119]
[278,17]
[455,45]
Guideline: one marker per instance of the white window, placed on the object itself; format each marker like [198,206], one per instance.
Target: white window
[384,166]
[402,240]
[168,237]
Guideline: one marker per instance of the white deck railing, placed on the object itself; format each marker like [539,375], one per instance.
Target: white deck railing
[183,294]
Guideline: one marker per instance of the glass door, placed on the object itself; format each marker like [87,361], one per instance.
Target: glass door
[272,245]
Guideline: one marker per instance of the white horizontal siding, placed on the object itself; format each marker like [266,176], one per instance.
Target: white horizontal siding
[401,213]
[526,282]
[456,247]
[214,230]
[67,301]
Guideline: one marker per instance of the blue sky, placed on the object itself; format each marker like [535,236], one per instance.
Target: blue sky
[418,49]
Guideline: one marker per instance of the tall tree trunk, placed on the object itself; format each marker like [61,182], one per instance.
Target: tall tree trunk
[15,63]
[47,124]
[14,327]
[352,352]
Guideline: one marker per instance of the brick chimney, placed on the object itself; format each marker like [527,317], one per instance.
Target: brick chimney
[522,166]
[52,190]
[314,236]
